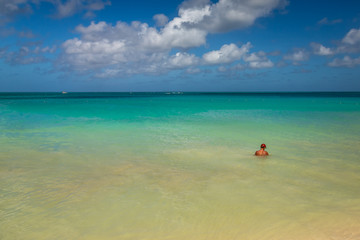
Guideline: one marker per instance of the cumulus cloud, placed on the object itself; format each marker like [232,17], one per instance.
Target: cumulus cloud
[297,56]
[181,60]
[226,15]
[115,49]
[110,50]
[347,61]
[254,57]
[352,37]
[173,36]
[161,20]
[319,49]
[231,53]
[125,49]
[196,19]
[258,60]
[105,45]
[351,42]
[226,54]
[83,55]
[122,49]
[261,64]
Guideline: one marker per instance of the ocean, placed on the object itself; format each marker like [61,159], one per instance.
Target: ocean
[179,166]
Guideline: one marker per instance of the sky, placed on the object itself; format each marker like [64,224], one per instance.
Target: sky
[192,45]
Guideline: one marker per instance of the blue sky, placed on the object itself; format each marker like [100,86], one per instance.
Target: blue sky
[194,45]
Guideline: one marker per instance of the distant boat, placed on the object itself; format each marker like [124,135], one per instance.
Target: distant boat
[64,92]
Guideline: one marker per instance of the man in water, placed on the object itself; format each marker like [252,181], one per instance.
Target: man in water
[262,151]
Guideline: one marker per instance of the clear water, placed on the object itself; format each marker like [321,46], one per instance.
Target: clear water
[179,166]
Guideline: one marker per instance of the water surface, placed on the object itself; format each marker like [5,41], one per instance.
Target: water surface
[179,166]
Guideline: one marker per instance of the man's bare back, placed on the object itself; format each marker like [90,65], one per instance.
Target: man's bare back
[262,151]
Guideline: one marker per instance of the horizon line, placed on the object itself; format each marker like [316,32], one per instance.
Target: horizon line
[177,91]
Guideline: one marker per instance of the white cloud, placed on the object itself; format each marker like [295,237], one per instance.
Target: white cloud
[261,64]
[258,60]
[347,61]
[226,54]
[181,60]
[297,56]
[161,19]
[125,49]
[84,55]
[326,21]
[226,15]
[173,36]
[351,42]
[198,18]
[103,45]
[231,53]
[321,50]
[253,57]
[139,48]
[352,37]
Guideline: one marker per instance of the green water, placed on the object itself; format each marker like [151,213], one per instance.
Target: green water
[179,166]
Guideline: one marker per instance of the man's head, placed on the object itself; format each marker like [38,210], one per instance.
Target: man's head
[263,146]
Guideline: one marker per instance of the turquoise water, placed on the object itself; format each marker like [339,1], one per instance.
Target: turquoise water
[179,166]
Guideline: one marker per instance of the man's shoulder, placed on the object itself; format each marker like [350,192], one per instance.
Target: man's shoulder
[263,153]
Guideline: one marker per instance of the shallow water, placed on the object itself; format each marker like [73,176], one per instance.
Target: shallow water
[179,166]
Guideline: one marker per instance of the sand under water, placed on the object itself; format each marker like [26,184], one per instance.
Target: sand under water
[179,166]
